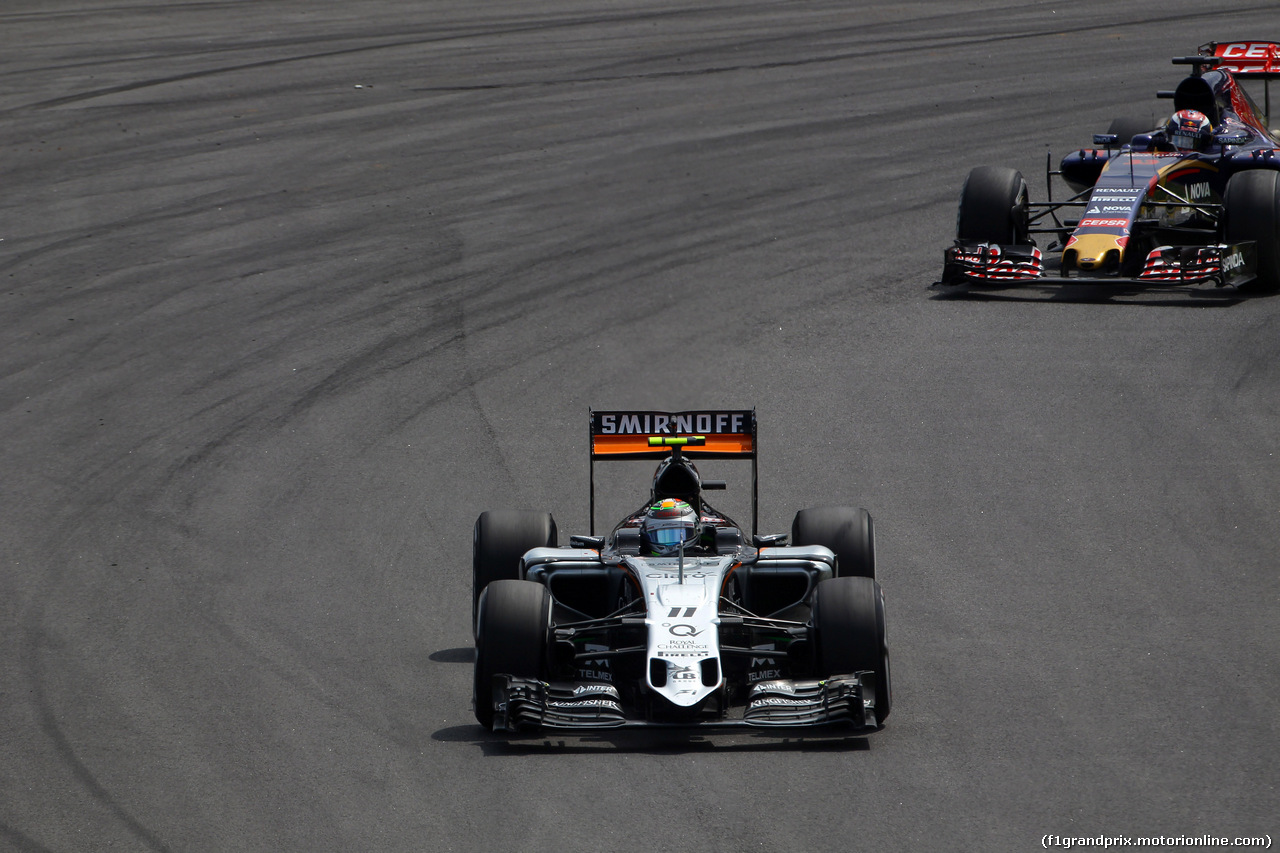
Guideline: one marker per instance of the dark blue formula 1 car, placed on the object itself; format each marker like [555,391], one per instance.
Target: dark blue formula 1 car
[1195,201]
[675,618]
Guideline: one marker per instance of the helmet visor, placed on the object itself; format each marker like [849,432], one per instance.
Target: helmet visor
[671,535]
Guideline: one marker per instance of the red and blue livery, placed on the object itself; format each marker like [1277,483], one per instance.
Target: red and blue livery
[1193,201]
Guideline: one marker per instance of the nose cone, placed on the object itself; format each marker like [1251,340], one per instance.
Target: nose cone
[1092,251]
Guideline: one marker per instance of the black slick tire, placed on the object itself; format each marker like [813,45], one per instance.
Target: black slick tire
[993,207]
[849,635]
[847,531]
[511,638]
[1251,205]
[1127,127]
[499,540]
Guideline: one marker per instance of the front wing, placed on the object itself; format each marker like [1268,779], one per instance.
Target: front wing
[993,265]
[525,704]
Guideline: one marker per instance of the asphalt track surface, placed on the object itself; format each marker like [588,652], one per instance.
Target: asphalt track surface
[292,291]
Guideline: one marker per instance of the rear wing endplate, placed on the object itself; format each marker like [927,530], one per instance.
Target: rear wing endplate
[715,434]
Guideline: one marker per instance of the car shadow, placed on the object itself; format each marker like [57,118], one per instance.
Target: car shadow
[463,654]
[650,741]
[1150,297]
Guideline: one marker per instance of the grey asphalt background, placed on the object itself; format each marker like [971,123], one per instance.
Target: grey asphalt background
[291,291]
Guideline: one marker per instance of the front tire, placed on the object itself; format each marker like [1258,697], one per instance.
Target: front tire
[993,207]
[499,540]
[849,635]
[512,631]
[1251,206]
[847,531]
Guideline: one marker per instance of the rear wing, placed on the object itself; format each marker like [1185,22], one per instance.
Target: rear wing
[1257,60]
[706,434]
[1247,58]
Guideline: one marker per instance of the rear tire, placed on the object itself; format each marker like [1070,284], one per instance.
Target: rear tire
[993,207]
[499,540]
[847,531]
[512,633]
[1251,207]
[1128,127]
[849,635]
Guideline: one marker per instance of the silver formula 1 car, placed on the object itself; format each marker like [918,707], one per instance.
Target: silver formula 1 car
[1194,201]
[675,617]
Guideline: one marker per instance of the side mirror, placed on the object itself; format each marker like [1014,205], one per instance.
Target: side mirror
[770,540]
[593,542]
[1106,140]
[714,485]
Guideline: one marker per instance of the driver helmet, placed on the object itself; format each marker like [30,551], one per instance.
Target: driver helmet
[1189,130]
[669,524]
